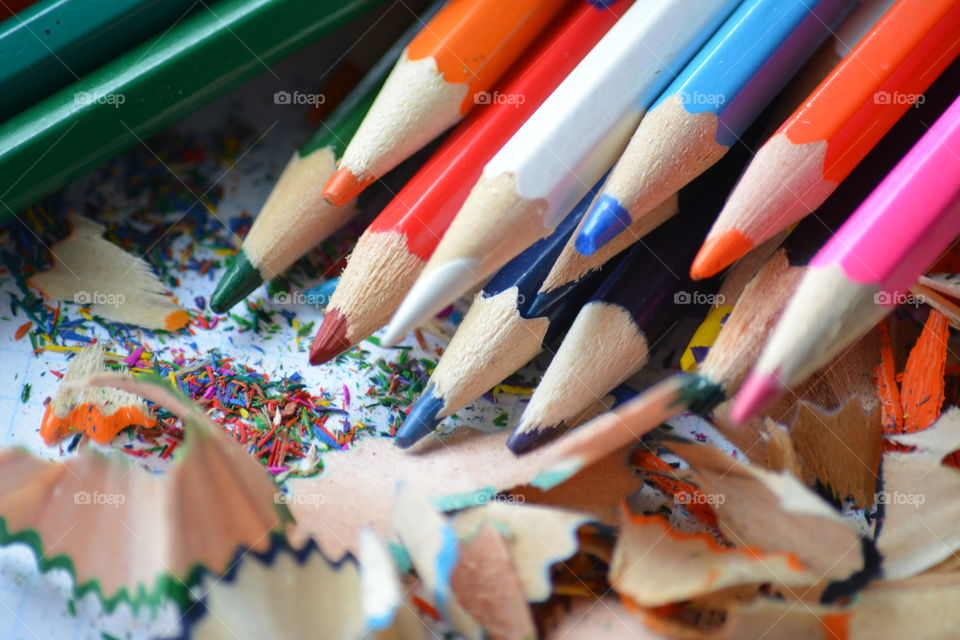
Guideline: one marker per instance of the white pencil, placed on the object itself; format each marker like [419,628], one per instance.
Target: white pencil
[562,150]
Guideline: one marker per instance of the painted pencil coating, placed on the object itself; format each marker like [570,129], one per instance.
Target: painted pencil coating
[903,54]
[709,106]
[751,57]
[163,79]
[51,44]
[483,32]
[423,210]
[295,217]
[910,219]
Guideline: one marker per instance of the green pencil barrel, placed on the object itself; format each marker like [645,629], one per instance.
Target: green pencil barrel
[53,42]
[152,86]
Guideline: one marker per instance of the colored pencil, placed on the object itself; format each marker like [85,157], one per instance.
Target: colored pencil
[871,262]
[844,38]
[55,42]
[572,265]
[563,149]
[699,195]
[700,199]
[160,81]
[393,250]
[845,116]
[709,105]
[295,217]
[497,335]
[762,301]
[444,73]
[611,337]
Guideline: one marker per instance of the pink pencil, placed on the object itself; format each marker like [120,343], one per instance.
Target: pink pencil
[867,267]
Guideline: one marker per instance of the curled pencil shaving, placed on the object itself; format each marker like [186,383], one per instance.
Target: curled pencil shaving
[96,513]
[334,506]
[99,412]
[655,565]
[774,512]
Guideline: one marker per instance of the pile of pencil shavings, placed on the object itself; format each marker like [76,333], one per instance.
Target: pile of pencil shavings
[831,525]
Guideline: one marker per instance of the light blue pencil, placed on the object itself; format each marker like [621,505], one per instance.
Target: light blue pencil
[709,105]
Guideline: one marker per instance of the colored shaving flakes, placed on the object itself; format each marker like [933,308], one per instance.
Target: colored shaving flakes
[435,553]
[840,449]
[656,565]
[132,535]
[98,412]
[114,284]
[486,583]
[776,513]
[474,471]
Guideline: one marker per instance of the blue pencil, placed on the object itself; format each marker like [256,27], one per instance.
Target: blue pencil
[498,335]
[709,105]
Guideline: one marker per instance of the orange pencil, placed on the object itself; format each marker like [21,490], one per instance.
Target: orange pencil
[835,128]
[444,72]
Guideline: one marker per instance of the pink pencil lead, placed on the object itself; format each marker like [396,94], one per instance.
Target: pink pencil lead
[756,394]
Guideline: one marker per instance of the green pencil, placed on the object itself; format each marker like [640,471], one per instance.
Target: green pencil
[149,87]
[295,216]
[54,42]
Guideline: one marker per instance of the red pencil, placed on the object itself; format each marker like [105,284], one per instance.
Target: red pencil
[394,249]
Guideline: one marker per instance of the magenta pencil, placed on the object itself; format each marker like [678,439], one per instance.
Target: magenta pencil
[867,267]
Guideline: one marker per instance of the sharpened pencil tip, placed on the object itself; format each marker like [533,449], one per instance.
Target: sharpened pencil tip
[606,220]
[431,293]
[240,280]
[343,186]
[422,420]
[331,339]
[719,252]
[524,438]
[757,393]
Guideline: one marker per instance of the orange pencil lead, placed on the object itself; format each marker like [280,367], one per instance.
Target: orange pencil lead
[719,252]
[343,186]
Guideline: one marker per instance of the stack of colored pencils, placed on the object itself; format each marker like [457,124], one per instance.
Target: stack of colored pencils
[576,124]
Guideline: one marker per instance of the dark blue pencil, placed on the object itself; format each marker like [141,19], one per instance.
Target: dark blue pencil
[611,337]
[498,335]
